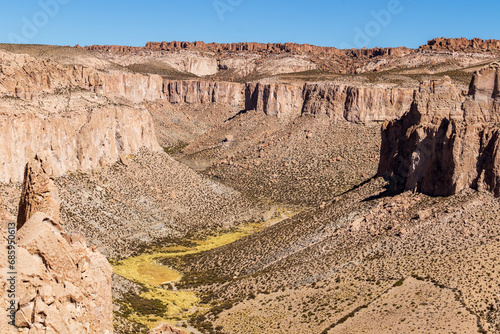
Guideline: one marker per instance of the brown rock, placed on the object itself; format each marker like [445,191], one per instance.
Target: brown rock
[204,92]
[279,100]
[461,44]
[62,286]
[446,142]
[85,140]
[166,329]
[39,192]
[356,104]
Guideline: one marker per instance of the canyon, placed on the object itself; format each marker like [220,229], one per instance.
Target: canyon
[285,187]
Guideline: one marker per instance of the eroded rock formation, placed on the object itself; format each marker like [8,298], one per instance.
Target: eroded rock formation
[249,46]
[462,44]
[357,104]
[204,92]
[39,192]
[62,286]
[448,140]
[279,100]
[82,137]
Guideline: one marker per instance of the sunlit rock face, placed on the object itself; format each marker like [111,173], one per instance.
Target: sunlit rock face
[448,141]
[62,286]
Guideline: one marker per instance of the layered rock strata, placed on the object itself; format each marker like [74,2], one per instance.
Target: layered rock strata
[274,99]
[188,91]
[276,48]
[448,141]
[84,138]
[462,44]
[356,104]
[25,77]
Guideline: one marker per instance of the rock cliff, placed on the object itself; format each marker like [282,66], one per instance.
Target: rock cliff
[62,286]
[208,58]
[276,48]
[448,140]
[77,135]
[357,104]
[279,100]
[26,77]
[462,44]
[204,92]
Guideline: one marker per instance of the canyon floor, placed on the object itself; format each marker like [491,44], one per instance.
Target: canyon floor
[257,205]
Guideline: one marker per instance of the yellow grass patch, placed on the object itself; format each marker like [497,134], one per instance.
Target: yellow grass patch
[147,270]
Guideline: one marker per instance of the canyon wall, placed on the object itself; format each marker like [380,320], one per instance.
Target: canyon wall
[90,131]
[279,100]
[25,77]
[190,91]
[358,104]
[62,286]
[79,139]
[447,141]
[462,44]
[276,48]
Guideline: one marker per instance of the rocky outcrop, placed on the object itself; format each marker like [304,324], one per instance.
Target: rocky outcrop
[85,137]
[462,44]
[276,48]
[204,92]
[39,192]
[26,77]
[279,100]
[448,141]
[131,86]
[62,286]
[166,329]
[356,104]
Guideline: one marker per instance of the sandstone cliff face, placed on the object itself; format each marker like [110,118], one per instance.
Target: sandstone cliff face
[462,44]
[339,102]
[276,48]
[274,99]
[26,77]
[447,141]
[192,62]
[78,136]
[206,59]
[131,86]
[204,92]
[62,286]
[356,104]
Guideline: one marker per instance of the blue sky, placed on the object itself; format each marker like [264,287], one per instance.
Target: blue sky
[339,23]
